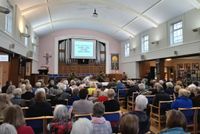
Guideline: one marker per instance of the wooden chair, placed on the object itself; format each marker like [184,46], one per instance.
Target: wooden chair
[157,115]
[114,119]
[39,124]
[24,109]
[191,115]
[131,101]
[77,116]
[121,95]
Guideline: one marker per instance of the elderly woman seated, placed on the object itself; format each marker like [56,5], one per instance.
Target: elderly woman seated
[14,115]
[129,124]
[40,107]
[82,125]
[17,92]
[111,104]
[183,101]
[98,121]
[28,95]
[175,123]
[4,103]
[60,123]
[140,105]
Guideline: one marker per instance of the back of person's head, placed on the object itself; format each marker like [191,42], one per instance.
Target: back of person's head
[17,92]
[38,84]
[61,112]
[93,85]
[72,82]
[169,85]
[75,91]
[29,87]
[10,89]
[4,99]
[177,88]
[14,116]
[175,118]
[40,95]
[158,87]
[129,124]
[141,102]
[7,128]
[184,92]
[82,125]
[141,86]
[83,93]
[180,83]
[98,109]
[111,93]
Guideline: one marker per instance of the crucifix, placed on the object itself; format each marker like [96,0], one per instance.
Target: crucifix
[47,56]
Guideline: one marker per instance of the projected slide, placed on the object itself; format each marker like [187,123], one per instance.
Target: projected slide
[83,49]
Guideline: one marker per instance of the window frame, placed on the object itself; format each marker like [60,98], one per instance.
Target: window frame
[127,49]
[174,42]
[26,39]
[145,43]
[9,21]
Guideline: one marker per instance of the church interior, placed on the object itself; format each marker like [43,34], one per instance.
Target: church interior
[99,66]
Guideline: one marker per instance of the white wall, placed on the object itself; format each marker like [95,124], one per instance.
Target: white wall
[6,39]
[190,45]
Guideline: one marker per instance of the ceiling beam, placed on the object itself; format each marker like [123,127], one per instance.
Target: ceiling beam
[95,20]
[111,3]
[195,3]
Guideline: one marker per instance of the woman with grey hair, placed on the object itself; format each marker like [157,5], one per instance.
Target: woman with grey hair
[111,104]
[17,92]
[140,105]
[82,126]
[100,125]
[7,128]
[169,88]
[60,123]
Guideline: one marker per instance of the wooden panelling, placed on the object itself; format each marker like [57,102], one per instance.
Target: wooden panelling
[81,69]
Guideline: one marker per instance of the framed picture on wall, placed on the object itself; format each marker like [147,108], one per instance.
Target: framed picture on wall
[114,61]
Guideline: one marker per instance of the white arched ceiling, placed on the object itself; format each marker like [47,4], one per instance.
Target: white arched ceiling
[118,18]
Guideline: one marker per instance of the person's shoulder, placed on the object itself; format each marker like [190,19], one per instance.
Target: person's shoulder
[25,129]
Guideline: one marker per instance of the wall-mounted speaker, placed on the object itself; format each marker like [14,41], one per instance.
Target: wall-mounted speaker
[29,54]
[142,57]
[175,52]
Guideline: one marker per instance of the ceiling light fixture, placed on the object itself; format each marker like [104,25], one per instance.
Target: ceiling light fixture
[4,10]
[95,14]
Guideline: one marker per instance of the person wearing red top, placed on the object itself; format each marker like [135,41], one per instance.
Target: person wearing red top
[14,116]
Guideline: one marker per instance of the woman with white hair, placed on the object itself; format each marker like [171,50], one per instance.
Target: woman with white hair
[17,92]
[82,126]
[111,104]
[60,123]
[183,101]
[169,88]
[40,107]
[140,105]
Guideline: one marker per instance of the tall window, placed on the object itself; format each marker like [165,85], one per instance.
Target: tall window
[145,43]
[26,39]
[127,50]
[9,21]
[176,33]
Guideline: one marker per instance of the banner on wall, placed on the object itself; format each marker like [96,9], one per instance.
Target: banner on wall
[114,61]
